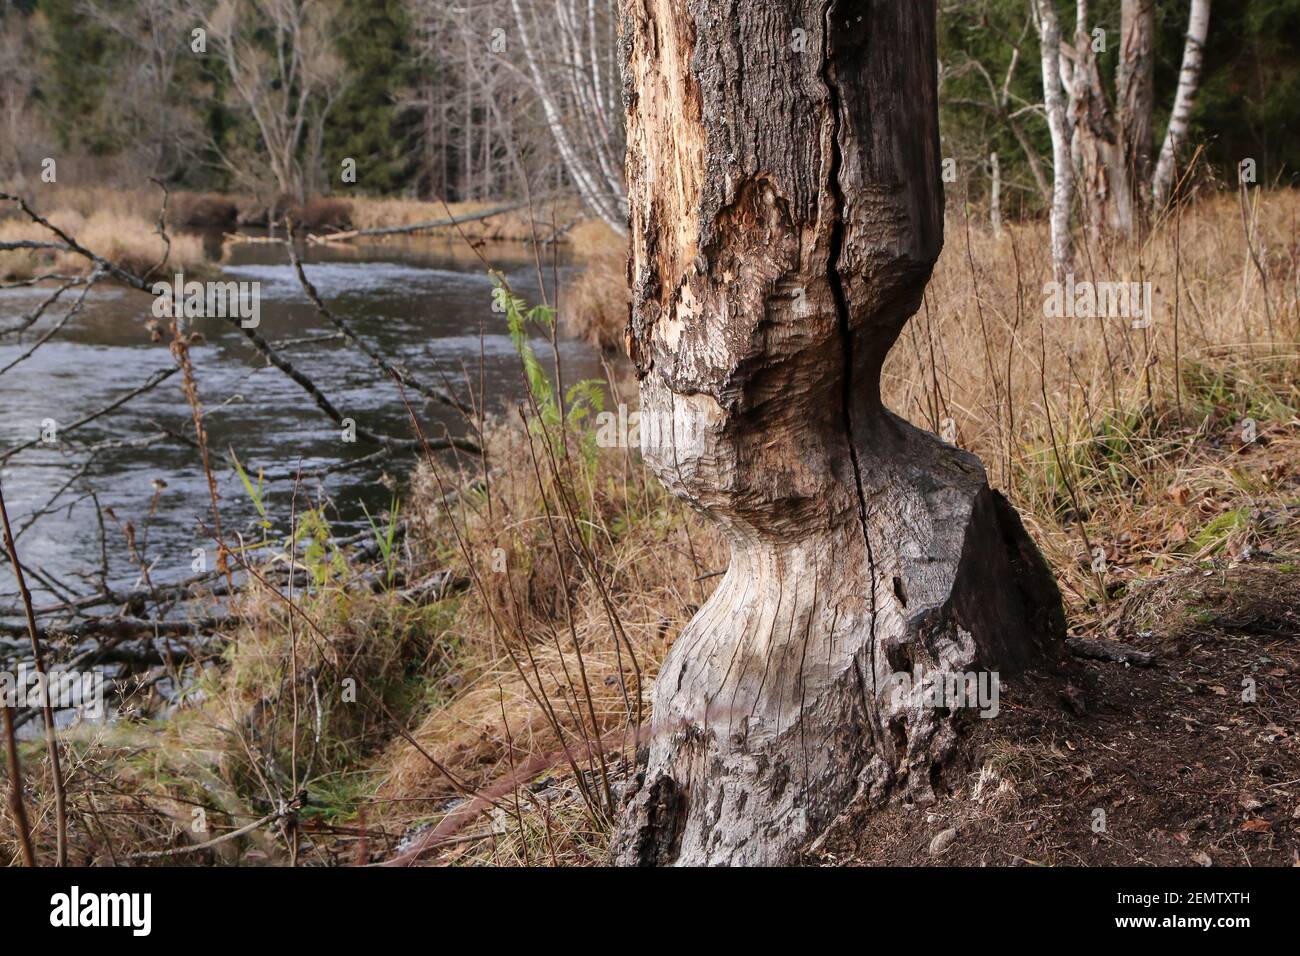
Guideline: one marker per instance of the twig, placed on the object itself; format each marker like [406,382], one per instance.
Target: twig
[51,741]
[16,805]
[154,380]
[284,811]
[429,391]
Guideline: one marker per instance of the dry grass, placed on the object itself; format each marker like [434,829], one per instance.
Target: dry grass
[536,610]
[1160,473]
[590,238]
[594,307]
[125,237]
[1147,427]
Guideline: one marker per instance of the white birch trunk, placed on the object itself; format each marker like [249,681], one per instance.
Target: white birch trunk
[1189,80]
[1058,122]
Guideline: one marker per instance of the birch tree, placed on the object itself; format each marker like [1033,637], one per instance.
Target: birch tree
[1189,80]
[1057,106]
[1105,150]
[568,51]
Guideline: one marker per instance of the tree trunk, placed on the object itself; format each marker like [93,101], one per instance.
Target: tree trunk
[1189,80]
[1058,122]
[995,194]
[1135,90]
[786,211]
[1106,185]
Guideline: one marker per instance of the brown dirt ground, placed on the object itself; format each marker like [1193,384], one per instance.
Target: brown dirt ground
[1187,772]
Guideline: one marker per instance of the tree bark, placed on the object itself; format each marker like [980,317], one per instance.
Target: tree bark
[1056,104]
[786,211]
[1106,185]
[1189,80]
[1135,89]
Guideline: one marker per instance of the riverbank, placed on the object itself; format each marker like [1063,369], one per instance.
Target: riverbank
[488,720]
[123,225]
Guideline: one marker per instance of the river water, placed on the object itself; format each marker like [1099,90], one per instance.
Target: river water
[425,303]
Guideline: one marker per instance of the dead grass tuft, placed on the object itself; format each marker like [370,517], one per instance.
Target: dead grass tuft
[127,239]
[595,306]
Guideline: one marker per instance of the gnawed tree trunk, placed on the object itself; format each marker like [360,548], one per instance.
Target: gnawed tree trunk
[786,211]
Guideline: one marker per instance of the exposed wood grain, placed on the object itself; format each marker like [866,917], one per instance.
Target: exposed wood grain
[786,212]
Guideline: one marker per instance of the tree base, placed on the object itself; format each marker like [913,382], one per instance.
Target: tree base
[807,681]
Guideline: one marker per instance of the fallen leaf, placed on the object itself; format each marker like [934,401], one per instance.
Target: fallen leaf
[1257,826]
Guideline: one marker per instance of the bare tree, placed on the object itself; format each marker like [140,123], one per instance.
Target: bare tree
[18,81]
[1002,105]
[284,70]
[786,212]
[483,135]
[568,55]
[160,121]
[1110,146]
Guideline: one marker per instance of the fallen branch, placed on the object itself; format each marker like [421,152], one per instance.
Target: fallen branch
[284,811]
[415,227]
[122,627]
[1107,650]
[444,832]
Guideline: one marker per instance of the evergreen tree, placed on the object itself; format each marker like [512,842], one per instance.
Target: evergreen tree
[369,122]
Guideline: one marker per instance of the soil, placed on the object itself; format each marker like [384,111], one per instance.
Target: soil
[1174,764]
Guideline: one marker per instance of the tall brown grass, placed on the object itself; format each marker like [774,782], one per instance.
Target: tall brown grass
[123,235]
[1128,438]
[594,306]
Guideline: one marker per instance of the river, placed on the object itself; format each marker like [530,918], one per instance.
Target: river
[422,302]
